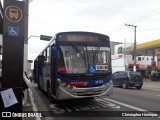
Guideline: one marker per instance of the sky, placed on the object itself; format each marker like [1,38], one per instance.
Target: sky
[47,17]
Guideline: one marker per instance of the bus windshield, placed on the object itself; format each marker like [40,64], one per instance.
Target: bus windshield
[83,59]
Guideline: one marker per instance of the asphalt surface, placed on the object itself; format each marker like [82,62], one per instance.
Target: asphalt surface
[33,99]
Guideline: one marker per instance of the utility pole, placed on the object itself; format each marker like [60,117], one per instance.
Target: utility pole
[134,50]
[1,18]
[125,54]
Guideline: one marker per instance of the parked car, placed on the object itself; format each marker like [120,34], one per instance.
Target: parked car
[127,79]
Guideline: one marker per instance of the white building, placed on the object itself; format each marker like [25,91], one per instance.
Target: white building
[125,62]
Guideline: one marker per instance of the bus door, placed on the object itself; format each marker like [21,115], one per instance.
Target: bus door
[53,69]
[35,71]
[41,59]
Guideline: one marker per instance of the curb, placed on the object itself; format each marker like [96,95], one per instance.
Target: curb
[31,97]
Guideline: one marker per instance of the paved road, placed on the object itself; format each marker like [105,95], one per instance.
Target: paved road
[123,100]
[145,99]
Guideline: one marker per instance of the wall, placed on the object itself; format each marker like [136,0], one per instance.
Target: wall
[118,63]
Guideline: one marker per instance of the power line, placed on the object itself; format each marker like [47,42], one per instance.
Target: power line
[107,8]
[123,12]
[149,29]
[146,16]
[141,18]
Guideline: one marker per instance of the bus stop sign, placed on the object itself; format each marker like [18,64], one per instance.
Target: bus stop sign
[13,49]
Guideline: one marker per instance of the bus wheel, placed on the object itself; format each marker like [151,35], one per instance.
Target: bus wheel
[39,87]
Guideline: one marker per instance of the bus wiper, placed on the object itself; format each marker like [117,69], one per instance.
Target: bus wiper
[96,50]
[78,51]
[94,53]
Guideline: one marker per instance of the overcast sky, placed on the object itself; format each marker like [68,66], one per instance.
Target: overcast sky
[47,17]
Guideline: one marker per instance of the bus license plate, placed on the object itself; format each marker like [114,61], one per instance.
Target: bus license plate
[90,92]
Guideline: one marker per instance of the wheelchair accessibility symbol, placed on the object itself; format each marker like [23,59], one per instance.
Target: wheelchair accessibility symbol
[13,31]
[92,68]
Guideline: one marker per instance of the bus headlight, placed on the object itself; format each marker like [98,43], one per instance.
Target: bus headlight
[63,84]
[70,87]
[59,81]
[110,83]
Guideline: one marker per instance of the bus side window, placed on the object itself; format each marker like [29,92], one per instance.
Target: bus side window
[45,57]
[42,60]
[48,55]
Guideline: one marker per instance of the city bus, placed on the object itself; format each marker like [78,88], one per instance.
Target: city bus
[75,65]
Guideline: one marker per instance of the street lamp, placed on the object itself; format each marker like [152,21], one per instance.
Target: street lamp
[32,36]
[134,50]
[42,37]
[45,37]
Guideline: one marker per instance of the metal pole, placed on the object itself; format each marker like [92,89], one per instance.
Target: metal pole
[32,36]
[135,44]
[125,54]
[13,52]
[1,18]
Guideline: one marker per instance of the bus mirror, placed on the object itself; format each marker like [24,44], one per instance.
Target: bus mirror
[30,61]
[45,37]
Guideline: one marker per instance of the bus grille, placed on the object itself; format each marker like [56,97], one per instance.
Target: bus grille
[89,93]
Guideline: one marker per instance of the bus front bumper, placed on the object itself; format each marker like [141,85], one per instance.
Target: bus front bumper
[64,92]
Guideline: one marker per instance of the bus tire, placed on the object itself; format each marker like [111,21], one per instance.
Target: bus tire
[39,87]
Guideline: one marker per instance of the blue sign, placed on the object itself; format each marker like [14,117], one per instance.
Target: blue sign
[13,31]
[92,68]
[119,49]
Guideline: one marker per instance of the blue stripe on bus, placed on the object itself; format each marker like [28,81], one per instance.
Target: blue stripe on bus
[89,83]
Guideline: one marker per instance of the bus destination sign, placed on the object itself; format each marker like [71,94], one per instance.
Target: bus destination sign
[80,38]
[83,38]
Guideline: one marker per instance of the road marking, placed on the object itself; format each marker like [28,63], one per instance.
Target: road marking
[92,103]
[126,105]
[100,101]
[139,93]
[90,106]
[76,109]
[67,108]
[109,104]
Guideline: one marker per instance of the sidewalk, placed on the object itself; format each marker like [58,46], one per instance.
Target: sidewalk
[28,108]
[29,105]
[34,104]
[147,83]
